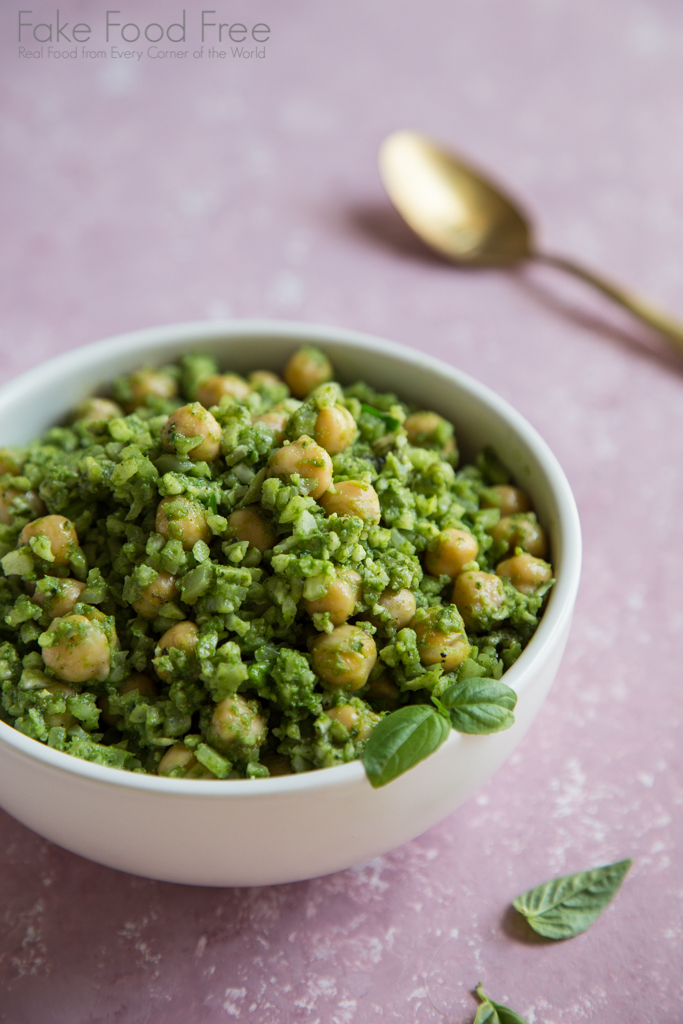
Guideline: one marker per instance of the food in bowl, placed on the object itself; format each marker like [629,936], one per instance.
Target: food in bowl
[210,576]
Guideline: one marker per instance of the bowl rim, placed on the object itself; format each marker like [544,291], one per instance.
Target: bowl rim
[555,619]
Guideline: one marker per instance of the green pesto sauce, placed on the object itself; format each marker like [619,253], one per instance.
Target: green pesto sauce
[254,633]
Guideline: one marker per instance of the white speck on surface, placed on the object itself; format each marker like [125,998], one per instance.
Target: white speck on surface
[315,987]
[218,309]
[193,202]
[646,37]
[571,790]
[369,876]
[287,289]
[298,246]
[346,1011]
[418,993]
[31,958]
[233,996]
[118,77]
[305,116]
[260,162]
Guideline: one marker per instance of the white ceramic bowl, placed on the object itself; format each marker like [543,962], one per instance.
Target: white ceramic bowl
[299,826]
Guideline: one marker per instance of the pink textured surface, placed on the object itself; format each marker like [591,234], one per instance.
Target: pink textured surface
[143,193]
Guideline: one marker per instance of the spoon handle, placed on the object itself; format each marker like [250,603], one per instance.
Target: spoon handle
[661,322]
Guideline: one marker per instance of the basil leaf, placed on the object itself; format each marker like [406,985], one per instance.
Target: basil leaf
[491,1012]
[391,423]
[567,906]
[402,740]
[480,706]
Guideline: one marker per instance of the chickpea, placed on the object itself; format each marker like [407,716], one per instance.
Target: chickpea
[383,689]
[478,596]
[525,572]
[264,379]
[60,601]
[193,420]
[177,756]
[180,756]
[344,658]
[306,458]
[35,502]
[455,548]
[60,719]
[96,410]
[236,728]
[335,429]
[221,385]
[428,429]
[306,370]
[521,531]
[438,647]
[59,531]
[277,764]
[32,499]
[183,636]
[135,681]
[161,590]
[353,498]
[340,599]
[149,383]
[6,499]
[248,524]
[510,500]
[140,682]
[421,425]
[276,421]
[358,727]
[179,518]
[81,653]
[401,606]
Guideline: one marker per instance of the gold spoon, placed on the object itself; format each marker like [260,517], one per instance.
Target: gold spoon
[466,218]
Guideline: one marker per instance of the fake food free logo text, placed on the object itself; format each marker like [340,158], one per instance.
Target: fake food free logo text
[58,38]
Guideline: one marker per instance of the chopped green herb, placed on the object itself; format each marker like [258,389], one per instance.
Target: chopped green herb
[209,576]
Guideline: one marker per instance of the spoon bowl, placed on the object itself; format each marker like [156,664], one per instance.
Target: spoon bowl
[451,205]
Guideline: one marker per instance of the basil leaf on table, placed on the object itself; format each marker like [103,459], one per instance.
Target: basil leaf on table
[480,706]
[402,740]
[491,1012]
[567,906]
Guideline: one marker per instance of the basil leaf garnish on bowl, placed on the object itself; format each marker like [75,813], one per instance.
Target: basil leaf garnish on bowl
[567,906]
[480,706]
[491,1012]
[403,739]
[408,735]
